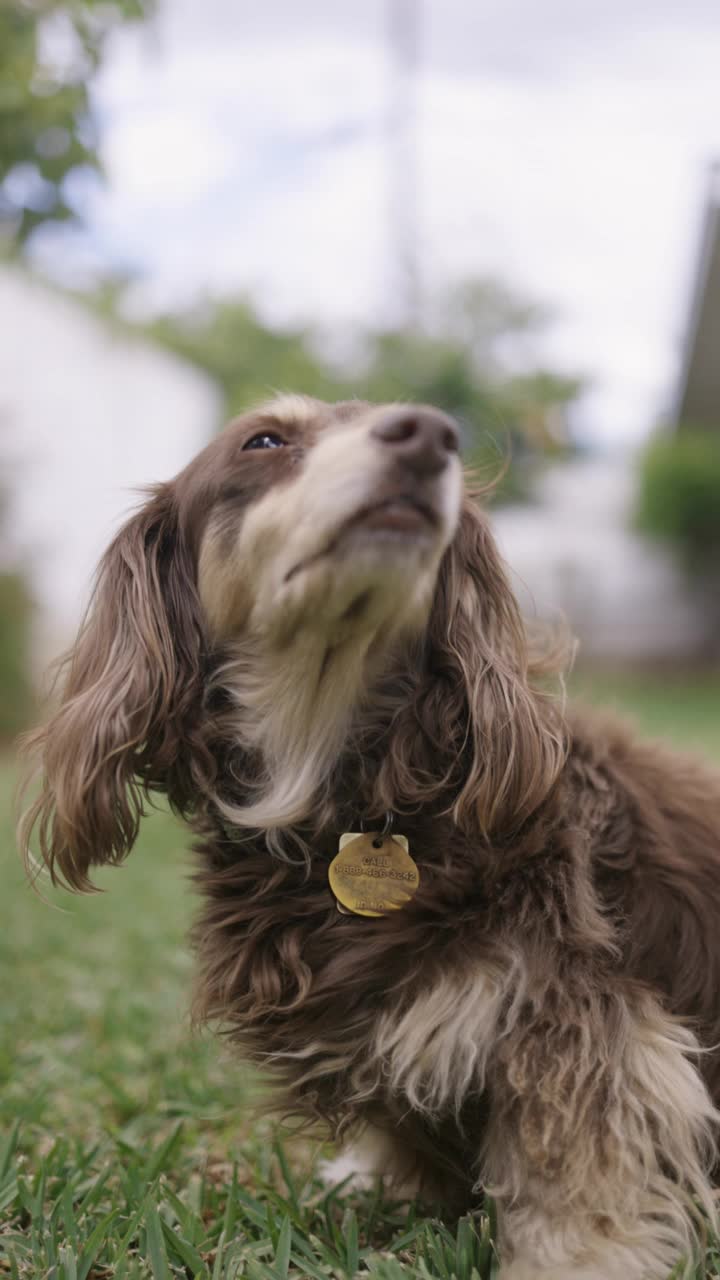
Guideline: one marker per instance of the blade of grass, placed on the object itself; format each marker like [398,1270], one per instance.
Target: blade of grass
[8,1149]
[163,1153]
[188,1256]
[287,1177]
[231,1205]
[157,1254]
[352,1244]
[94,1243]
[282,1248]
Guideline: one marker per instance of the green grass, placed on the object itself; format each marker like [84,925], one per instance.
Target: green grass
[131,1147]
[685,710]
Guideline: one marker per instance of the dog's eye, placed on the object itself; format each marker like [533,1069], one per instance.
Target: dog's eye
[266,440]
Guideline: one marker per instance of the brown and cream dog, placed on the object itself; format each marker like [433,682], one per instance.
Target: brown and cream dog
[310,629]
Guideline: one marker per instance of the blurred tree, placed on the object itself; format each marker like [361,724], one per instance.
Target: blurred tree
[16,698]
[679,498]
[16,695]
[49,50]
[248,359]
[475,361]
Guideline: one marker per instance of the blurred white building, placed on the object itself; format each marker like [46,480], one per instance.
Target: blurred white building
[574,551]
[697,399]
[88,414]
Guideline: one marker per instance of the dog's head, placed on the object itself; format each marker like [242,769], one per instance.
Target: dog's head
[306,553]
[327,519]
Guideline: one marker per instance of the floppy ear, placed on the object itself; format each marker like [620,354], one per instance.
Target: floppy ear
[132,689]
[508,733]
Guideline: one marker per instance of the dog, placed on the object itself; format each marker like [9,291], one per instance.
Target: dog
[307,640]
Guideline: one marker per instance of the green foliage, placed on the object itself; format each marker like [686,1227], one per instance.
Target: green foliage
[15,689]
[508,420]
[475,359]
[466,362]
[114,1210]
[679,497]
[249,360]
[682,708]
[49,51]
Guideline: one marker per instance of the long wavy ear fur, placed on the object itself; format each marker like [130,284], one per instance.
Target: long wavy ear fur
[477,721]
[131,688]
[513,734]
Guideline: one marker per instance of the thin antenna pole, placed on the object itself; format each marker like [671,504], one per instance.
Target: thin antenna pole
[404,46]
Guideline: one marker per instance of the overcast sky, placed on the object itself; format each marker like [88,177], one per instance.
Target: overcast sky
[562,146]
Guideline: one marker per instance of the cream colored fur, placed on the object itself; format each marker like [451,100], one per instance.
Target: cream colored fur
[611,1184]
[436,1051]
[604,1173]
[315,606]
[373,1155]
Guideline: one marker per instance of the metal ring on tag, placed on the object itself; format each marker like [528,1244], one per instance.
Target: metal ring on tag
[387,829]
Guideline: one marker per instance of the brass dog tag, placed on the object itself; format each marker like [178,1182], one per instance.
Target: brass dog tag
[370,881]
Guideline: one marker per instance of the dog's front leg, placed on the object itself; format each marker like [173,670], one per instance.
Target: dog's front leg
[374,1155]
[600,1142]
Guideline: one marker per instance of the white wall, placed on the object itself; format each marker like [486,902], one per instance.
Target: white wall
[87,415]
[576,551]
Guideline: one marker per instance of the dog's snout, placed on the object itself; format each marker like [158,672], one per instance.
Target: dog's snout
[422,439]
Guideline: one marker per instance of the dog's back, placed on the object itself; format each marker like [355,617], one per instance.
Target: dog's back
[654,818]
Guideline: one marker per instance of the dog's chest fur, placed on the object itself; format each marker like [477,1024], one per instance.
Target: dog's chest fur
[347,1010]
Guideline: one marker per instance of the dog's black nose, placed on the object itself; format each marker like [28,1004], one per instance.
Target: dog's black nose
[422,439]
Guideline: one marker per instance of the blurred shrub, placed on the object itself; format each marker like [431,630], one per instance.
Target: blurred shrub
[49,50]
[467,360]
[16,699]
[679,498]
[509,419]
[248,359]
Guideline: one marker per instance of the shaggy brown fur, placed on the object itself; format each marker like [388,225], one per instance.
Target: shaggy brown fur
[532,1020]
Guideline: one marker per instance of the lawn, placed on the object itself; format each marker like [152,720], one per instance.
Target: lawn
[131,1147]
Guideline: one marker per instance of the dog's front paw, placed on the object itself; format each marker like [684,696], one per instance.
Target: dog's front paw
[525,1271]
[521,1269]
[374,1157]
[344,1169]
[528,1271]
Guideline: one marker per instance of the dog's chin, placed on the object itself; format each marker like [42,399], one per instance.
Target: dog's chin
[399,535]
[398,517]
[375,574]
[398,527]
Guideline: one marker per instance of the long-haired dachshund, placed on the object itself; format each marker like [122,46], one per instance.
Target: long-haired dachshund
[475,936]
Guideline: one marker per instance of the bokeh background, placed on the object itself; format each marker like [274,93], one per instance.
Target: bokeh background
[508,209]
[504,209]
